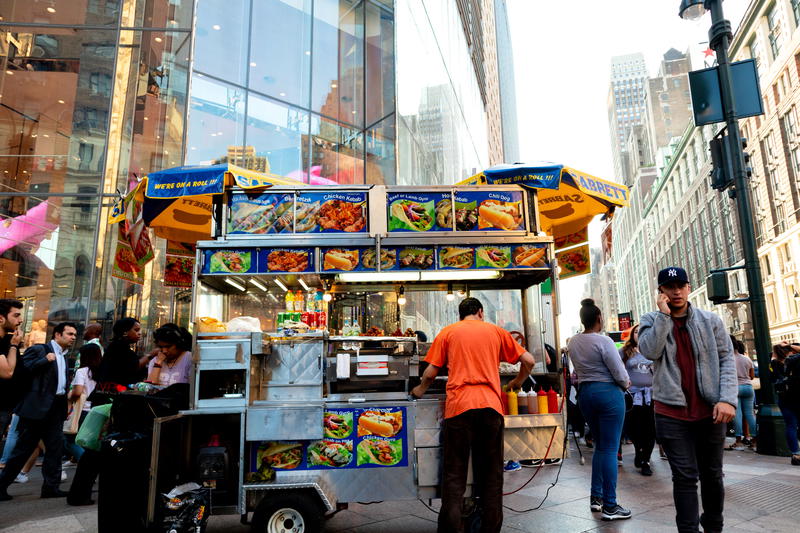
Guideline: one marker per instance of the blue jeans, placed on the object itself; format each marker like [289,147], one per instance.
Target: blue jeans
[603,407]
[745,405]
[790,418]
[11,439]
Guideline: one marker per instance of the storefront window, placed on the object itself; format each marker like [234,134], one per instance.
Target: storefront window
[379,59]
[220,47]
[161,13]
[380,149]
[278,133]
[280,50]
[217,121]
[338,80]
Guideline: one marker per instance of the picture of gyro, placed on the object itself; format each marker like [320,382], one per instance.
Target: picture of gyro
[411,215]
[456,257]
[280,455]
[494,256]
[229,261]
[382,452]
[528,256]
[494,214]
[338,259]
[287,261]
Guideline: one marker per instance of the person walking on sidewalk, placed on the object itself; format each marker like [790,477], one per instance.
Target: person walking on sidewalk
[472,350]
[745,373]
[784,371]
[640,419]
[10,359]
[695,394]
[42,411]
[603,380]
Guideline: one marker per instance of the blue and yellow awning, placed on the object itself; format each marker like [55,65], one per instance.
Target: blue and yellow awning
[568,198]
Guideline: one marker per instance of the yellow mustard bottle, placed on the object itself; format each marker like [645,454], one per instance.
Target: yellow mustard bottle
[542,401]
[513,408]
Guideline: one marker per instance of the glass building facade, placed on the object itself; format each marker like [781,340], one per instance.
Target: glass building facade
[95,94]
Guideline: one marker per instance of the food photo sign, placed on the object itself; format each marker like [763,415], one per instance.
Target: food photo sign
[257,214]
[419,212]
[574,262]
[373,437]
[331,212]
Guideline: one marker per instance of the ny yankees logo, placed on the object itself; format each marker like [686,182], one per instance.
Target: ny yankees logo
[673,273]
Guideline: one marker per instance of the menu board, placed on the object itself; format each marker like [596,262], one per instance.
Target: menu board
[371,437]
[332,212]
[507,256]
[342,259]
[410,258]
[286,260]
[235,261]
[489,211]
[419,212]
[251,213]
[567,241]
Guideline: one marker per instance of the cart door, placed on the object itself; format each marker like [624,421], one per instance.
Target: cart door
[170,448]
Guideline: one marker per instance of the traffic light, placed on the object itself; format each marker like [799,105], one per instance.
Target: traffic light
[721,178]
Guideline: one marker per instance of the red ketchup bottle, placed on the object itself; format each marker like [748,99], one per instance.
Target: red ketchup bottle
[552,401]
[504,399]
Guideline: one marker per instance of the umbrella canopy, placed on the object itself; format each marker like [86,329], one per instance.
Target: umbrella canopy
[568,199]
[177,201]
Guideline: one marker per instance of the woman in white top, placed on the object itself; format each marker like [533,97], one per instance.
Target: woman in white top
[83,384]
[173,364]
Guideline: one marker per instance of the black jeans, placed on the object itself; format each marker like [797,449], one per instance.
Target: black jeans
[50,430]
[642,430]
[694,451]
[481,432]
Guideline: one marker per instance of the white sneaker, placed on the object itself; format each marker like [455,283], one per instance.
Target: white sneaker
[22,477]
[63,476]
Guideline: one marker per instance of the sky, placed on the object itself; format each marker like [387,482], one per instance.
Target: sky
[562,61]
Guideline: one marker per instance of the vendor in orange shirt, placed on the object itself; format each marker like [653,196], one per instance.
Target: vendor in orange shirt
[472,350]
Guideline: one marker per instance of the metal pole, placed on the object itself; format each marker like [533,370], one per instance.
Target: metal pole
[770,422]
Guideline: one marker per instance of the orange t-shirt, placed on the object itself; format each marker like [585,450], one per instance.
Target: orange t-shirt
[472,351]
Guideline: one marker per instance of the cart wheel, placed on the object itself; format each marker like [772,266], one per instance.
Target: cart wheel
[288,513]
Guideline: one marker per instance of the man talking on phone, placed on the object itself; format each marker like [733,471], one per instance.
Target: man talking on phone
[695,392]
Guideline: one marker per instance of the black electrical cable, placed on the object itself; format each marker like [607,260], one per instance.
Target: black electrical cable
[553,484]
[431,509]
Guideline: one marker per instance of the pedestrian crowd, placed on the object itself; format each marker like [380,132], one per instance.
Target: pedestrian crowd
[47,390]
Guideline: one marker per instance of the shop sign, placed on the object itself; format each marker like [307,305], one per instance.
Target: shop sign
[419,212]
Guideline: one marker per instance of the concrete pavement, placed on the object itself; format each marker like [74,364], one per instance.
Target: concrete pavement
[762,495]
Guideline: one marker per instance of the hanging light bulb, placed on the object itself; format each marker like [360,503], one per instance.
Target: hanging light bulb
[401,299]
[450,295]
[327,297]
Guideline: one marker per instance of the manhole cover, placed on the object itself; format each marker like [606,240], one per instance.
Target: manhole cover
[762,494]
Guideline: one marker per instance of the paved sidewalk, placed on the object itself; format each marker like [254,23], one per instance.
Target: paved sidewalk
[762,494]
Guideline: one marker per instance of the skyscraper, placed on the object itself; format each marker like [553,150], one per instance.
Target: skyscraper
[508,95]
[626,106]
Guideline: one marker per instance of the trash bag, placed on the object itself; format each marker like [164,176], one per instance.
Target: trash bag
[94,426]
[185,509]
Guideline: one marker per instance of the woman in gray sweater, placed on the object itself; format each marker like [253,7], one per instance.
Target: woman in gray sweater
[602,379]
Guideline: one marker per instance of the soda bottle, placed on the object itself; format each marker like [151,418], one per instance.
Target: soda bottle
[318,301]
[347,328]
[289,299]
[310,301]
[299,301]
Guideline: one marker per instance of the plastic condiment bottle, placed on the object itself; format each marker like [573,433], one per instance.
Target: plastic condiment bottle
[522,402]
[504,399]
[533,403]
[552,401]
[513,406]
[541,399]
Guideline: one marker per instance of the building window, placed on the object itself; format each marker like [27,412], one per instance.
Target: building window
[796,11]
[790,121]
[773,23]
[755,51]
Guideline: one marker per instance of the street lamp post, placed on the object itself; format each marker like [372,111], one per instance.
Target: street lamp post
[770,422]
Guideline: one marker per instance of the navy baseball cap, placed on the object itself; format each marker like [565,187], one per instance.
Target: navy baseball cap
[672,274]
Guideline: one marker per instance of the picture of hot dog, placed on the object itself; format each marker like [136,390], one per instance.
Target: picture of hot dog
[528,256]
[379,423]
[499,215]
[338,259]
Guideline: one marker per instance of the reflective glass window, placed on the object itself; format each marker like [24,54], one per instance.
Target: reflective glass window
[379,61]
[380,152]
[277,133]
[163,14]
[216,125]
[338,60]
[280,50]
[57,90]
[220,47]
[47,254]
[337,152]
[155,73]
[60,11]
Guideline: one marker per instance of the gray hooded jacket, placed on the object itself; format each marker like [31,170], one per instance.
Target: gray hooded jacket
[713,351]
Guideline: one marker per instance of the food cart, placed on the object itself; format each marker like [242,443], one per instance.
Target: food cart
[308,408]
